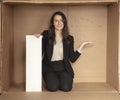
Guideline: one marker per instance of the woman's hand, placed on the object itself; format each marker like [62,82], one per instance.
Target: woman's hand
[83,45]
[37,35]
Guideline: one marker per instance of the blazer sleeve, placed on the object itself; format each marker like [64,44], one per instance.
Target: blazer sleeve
[73,55]
[44,34]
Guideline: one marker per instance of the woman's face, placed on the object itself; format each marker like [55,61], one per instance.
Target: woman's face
[58,23]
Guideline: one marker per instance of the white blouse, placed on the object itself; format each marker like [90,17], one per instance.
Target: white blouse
[58,49]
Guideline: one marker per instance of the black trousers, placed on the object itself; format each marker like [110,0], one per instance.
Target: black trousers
[59,78]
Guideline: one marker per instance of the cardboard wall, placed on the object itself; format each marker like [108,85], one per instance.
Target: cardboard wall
[119,52]
[27,20]
[89,24]
[112,46]
[0,53]
[7,42]
[61,1]
[86,23]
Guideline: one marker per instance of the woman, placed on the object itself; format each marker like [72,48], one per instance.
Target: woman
[58,51]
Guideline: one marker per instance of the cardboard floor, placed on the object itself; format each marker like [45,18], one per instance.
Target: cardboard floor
[81,91]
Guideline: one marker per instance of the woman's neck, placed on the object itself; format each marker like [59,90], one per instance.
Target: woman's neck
[58,33]
[58,36]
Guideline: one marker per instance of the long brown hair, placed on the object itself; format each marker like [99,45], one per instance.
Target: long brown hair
[65,31]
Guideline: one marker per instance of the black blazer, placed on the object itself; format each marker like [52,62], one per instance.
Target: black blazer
[68,53]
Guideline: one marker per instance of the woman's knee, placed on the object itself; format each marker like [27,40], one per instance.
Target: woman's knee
[52,88]
[66,88]
[52,82]
[66,82]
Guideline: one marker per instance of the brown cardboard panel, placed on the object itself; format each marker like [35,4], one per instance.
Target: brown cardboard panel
[85,24]
[7,42]
[119,51]
[77,88]
[0,54]
[112,46]
[63,8]
[27,20]
[0,24]
[61,1]
[89,23]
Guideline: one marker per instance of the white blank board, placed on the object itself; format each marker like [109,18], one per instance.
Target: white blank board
[33,64]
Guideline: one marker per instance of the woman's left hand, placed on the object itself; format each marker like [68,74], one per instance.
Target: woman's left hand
[83,45]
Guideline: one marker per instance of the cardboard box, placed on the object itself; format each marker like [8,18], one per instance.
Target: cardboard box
[88,20]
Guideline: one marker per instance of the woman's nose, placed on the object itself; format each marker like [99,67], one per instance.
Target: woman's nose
[59,22]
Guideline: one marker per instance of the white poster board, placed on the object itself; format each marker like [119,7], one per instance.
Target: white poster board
[33,64]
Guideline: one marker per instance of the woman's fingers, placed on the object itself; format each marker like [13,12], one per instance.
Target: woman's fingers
[82,46]
[37,35]
[85,44]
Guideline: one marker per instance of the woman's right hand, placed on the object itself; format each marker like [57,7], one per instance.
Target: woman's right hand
[37,35]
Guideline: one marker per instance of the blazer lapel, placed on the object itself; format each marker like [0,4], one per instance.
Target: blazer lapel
[64,50]
[49,51]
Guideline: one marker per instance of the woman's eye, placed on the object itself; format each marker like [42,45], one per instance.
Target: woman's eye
[61,20]
[56,20]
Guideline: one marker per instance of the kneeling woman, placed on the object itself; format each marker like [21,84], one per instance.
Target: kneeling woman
[58,51]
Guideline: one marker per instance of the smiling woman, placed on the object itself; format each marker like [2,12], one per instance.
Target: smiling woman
[58,49]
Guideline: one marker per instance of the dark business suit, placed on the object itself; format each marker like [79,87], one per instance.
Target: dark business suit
[68,54]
